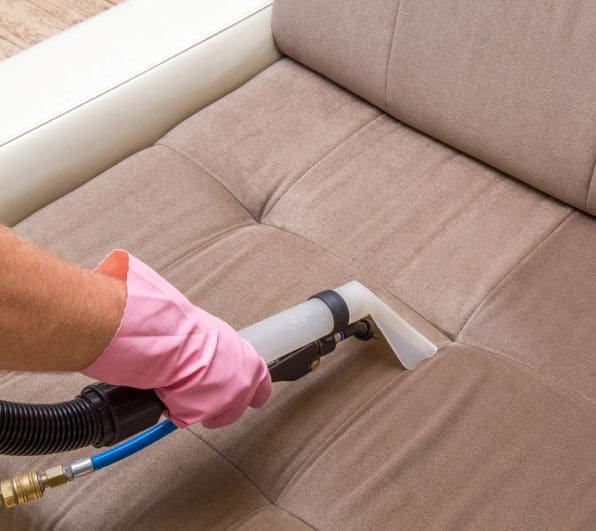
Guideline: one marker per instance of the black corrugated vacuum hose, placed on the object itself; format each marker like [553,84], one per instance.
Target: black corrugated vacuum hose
[102,415]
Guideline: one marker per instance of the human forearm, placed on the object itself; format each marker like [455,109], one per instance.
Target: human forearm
[54,315]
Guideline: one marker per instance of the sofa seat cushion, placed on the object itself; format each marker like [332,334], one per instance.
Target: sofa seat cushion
[258,140]
[544,313]
[466,441]
[435,227]
[157,204]
[340,192]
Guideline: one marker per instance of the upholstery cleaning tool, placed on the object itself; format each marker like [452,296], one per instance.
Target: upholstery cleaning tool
[292,343]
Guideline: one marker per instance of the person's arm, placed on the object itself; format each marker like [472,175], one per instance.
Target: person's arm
[54,315]
[126,325]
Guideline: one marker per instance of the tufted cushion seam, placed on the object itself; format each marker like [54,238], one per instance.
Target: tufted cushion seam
[271,205]
[361,269]
[390,53]
[202,168]
[571,395]
[307,463]
[590,185]
[502,281]
[240,471]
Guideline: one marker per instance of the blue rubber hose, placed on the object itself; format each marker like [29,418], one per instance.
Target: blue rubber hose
[132,445]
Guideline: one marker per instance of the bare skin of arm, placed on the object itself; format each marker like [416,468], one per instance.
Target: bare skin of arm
[54,315]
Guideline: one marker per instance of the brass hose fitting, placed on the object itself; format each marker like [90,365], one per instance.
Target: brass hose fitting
[30,486]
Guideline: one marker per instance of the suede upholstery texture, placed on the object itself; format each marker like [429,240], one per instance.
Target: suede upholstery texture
[510,83]
[519,318]
[290,185]
[436,228]
[254,158]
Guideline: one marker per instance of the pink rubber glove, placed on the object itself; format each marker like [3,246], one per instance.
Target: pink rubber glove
[200,367]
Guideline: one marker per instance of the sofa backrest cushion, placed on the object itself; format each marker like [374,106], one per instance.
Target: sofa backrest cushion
[511,83]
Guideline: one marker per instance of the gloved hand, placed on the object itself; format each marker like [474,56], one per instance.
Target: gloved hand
[201,368]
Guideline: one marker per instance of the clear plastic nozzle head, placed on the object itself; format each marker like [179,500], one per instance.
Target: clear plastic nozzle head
[295,327]
[408,344]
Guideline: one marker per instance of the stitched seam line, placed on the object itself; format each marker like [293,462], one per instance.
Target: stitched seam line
[259,509]
[128,80]
[512,271]
[540,376]
[215,179]
[390,54]
[359,267]
[243,474]
[238,470]
[204,245]
[307,463]
[218,237]
[245,516]
[590,184]
[268,208]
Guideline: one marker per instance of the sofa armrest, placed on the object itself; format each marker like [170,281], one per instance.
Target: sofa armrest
[79,102]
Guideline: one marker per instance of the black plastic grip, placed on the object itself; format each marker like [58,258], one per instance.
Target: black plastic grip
[337,305]
[123,411]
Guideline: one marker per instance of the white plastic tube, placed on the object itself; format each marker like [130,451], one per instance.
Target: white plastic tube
[306,322]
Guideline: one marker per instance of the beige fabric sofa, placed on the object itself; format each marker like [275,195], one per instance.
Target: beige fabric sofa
[442,153]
